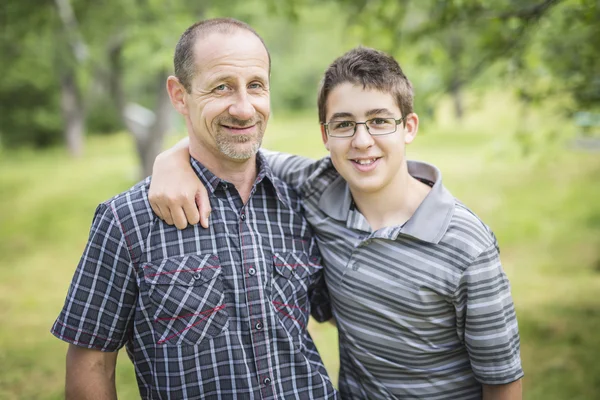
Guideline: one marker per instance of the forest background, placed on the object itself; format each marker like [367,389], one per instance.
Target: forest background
[508,93]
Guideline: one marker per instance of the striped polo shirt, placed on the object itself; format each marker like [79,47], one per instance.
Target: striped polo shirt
[424,310]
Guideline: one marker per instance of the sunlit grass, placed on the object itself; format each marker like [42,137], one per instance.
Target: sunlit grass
[544,209]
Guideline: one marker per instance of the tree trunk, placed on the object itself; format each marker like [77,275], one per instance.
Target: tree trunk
[148,128]
[151,144]
[73,114]
[69,62]
[457,98]
[455,49]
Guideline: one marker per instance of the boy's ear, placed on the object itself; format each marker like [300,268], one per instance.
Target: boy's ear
[177,94]
[411,128]
[324,137]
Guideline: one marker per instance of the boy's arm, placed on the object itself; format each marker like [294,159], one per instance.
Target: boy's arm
[178,197]
[90,374]
[509,391]
[487,325]
[176,194]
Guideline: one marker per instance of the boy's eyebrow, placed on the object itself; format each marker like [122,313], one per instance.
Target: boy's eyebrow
[370,113]
[378,111]
[342,115]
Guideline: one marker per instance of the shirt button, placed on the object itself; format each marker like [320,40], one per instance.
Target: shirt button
[197,275]
[225,186]
[243,217]
[258,326]
[251,271]
[267,381]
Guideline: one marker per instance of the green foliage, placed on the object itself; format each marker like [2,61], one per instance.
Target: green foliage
[29,94]
[541,49]
[544,211]
[457,41]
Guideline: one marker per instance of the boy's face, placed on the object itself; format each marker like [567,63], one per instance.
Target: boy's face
[370,164]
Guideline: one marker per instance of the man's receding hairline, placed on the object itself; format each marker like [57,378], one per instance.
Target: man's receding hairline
[230,30]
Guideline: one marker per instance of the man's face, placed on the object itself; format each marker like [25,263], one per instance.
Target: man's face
[229,105]
[370,164]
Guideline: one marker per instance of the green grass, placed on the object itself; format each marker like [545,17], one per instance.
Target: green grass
[544,209]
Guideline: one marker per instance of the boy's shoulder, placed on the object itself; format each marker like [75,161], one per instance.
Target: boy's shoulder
[467,233]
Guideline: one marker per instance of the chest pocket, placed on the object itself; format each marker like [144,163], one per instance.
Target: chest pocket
[294,275]
[186,299]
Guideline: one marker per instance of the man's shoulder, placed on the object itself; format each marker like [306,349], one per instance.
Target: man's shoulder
[131,208]
[322,175]
[315,175]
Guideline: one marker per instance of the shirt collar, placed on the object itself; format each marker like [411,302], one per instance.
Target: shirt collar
[429,222]
[212,182]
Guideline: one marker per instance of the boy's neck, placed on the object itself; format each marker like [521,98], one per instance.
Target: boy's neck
[394,204]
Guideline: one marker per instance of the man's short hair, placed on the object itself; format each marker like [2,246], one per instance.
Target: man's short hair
[184,60]
[373,69]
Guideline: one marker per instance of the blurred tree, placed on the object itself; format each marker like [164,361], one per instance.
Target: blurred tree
[462,38]
[29,88]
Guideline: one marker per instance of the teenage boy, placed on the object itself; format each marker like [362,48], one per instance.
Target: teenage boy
[422,304]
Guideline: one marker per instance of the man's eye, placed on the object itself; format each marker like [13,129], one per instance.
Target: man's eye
[255,85]
[221,87]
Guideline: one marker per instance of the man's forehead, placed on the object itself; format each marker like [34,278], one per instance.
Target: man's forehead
[238,44]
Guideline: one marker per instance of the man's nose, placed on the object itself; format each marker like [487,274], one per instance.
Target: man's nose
[242,107]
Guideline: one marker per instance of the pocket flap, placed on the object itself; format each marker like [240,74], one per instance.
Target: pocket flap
[296,264]
[191,270]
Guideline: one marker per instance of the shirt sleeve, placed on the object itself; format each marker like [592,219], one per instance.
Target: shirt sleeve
[293,170]
[99,308]
[486,320]
[320,303]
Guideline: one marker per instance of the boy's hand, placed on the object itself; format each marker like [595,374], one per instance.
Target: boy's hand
[176,194]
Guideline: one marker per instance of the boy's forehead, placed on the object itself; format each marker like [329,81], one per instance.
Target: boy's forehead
[351,99]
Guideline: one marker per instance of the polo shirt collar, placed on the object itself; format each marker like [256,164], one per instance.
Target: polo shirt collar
[212,182]
[429,222]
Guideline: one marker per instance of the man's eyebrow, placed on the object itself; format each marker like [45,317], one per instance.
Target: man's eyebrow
[378,111]
[342,115]
[230,78]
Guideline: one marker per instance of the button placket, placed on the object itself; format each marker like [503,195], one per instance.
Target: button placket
[255,299]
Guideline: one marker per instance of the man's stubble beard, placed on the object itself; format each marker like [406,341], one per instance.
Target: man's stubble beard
[229,144]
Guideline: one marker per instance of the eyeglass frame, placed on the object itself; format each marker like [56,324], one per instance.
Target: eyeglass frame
[356,123]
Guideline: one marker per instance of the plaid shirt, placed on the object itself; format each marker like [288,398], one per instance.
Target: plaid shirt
[205,313]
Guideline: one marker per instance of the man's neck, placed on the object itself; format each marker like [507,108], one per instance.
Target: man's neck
[394,204]
[241,173]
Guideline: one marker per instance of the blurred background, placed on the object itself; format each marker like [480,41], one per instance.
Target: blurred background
[508,92]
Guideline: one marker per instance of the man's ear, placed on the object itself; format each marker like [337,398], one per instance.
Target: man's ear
[411,128]
[324,137]
[177,94]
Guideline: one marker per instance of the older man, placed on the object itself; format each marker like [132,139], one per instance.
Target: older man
[204,313]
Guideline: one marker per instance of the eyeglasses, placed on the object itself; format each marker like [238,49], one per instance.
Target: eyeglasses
[375,127]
